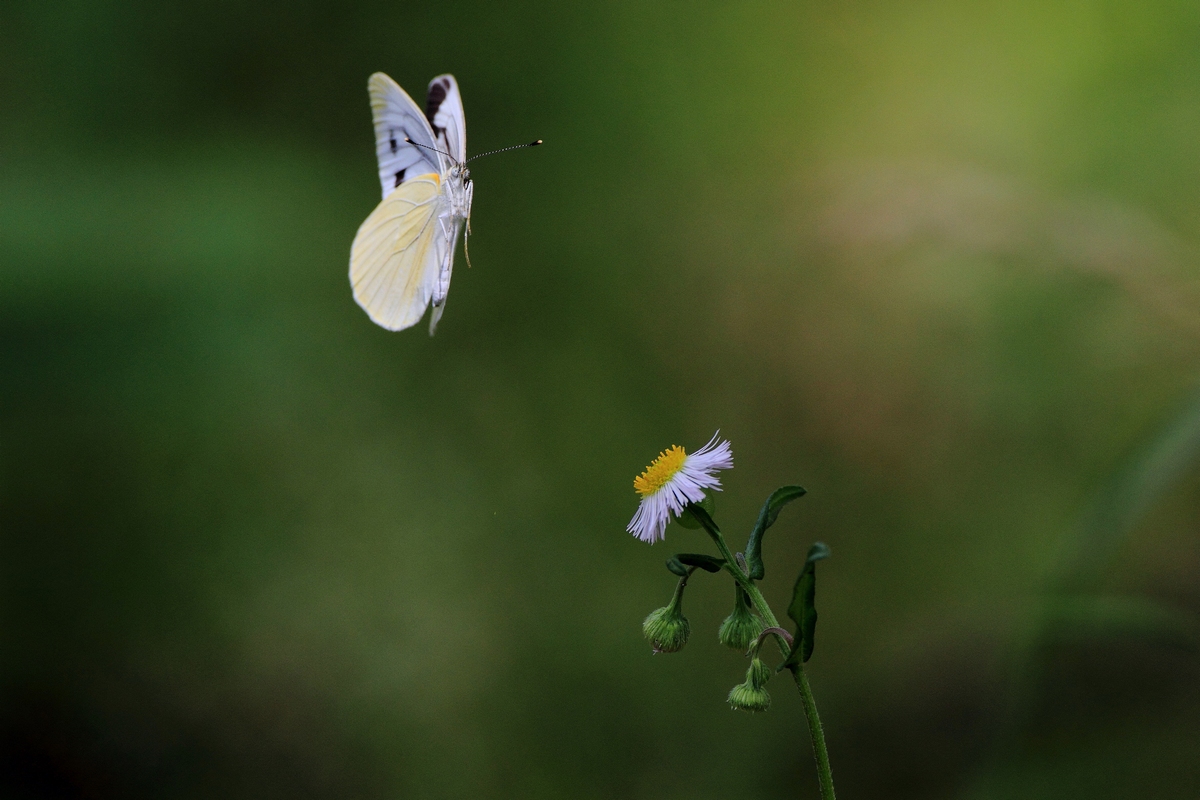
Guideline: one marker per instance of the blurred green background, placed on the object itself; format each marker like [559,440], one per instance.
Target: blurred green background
[937,262]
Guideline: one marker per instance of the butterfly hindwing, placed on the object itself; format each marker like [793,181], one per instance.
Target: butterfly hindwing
[396,117]
[441,287]
[399,253]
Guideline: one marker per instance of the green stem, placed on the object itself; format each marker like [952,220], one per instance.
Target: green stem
[815,730]
[756,597]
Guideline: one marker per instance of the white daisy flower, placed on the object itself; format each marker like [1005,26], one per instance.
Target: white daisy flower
[672,481]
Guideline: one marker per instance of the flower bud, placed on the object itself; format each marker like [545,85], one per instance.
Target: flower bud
[759,673]
[742,627]
[666,628]
[752,695]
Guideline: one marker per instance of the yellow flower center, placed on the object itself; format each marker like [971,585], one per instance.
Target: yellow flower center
[661,470]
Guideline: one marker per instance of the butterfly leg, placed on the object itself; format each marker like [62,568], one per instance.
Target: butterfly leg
[467,232]
[466,240]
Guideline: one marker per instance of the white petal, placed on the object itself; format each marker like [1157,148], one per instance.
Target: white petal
[686,486]
[649,523]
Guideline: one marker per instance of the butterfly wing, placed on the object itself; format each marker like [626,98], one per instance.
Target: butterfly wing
[399,253]
[397,116]
[450,227]
[444,112]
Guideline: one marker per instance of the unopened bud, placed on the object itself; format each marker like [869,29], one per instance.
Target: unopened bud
[742,627]
[759,673]
[752,695]
[666,628]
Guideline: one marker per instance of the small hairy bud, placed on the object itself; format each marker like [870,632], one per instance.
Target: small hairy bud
[759,673]
[745,697]
[742,627]
[666,628]
[752,695]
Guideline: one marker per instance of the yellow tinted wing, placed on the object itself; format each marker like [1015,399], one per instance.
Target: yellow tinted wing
[394,258]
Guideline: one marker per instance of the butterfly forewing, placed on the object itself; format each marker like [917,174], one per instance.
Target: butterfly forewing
[398,253]
[396,117]
[444,113]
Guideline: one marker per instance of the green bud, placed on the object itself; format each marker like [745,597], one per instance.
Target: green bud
[759,673]
[745,697]
[666,628]
[752,695]
[741,628]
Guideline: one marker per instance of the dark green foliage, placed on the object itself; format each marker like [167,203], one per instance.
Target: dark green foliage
[676,566]
[803,608]
[705,562]
[766,518]
[680,562]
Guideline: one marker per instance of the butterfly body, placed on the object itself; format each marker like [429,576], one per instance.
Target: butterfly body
[454,210]
[403,254]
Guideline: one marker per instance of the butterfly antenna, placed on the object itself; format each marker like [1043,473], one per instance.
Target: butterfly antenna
[504,150]
[466,241]
[434,149]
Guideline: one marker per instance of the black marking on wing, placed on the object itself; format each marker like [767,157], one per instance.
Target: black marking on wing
[399,177]
[437,93]
[392,139]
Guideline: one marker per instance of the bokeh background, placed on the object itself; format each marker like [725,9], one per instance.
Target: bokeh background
[938,262]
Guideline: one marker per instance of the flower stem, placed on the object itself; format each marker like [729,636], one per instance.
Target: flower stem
[815,730]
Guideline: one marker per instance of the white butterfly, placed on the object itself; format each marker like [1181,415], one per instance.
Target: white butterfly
[403,253]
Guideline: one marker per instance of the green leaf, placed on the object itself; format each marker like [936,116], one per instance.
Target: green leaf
[803,608]
[705,562]
[766,518]
[676,566]
[682,564]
